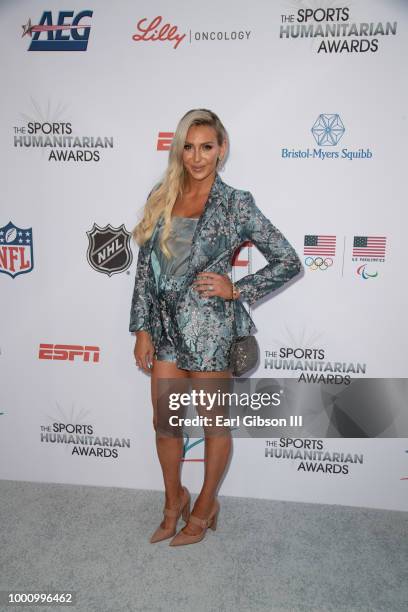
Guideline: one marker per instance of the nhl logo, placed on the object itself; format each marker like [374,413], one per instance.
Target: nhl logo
[109,249]
[16,250]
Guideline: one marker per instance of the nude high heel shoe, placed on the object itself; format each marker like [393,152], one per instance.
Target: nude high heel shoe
[184,538]
[184,510]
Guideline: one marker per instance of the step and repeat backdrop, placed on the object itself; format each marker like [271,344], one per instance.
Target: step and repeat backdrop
[314,98]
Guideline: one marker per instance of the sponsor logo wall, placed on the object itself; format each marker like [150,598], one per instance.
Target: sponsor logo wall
[314,100]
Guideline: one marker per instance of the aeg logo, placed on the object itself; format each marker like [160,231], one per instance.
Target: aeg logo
[54,39]
[68,352]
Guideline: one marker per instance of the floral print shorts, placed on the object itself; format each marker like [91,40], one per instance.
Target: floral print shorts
[168,291]
[217,349]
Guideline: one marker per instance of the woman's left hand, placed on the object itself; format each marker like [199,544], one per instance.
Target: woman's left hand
[210,284]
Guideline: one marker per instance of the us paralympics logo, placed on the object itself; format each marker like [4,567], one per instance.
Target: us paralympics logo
[109,249]
[16,250]
[47,36]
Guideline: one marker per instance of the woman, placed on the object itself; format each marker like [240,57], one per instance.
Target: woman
[183,301]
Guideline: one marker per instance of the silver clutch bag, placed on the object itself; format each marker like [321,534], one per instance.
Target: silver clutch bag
[244,354]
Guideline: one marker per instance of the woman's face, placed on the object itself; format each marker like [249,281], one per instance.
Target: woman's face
[201,151]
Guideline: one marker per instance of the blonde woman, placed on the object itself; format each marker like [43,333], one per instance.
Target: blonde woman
[183,299]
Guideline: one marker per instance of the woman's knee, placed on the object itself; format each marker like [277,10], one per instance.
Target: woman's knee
[154,420]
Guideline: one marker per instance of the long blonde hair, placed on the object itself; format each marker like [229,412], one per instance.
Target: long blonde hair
[163,196]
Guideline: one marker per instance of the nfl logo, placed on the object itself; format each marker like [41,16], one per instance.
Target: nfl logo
[16,250]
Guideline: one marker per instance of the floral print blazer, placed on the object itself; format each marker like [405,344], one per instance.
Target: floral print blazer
[207,325]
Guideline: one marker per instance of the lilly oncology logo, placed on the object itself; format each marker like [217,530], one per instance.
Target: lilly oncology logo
[157,29]
[51,37]
[16,250]
[328,129]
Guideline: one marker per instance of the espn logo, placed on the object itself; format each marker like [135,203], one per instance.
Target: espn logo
[164,141]
[236,261]
[68,352]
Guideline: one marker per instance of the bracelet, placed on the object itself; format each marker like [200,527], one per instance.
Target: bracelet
[235,292]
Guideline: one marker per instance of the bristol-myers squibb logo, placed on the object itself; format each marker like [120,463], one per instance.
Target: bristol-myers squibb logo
[327,131]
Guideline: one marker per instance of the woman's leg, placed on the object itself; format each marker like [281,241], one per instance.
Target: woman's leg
[217,448]
[169,449]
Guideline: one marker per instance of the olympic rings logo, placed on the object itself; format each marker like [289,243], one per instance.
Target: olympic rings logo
[318,263]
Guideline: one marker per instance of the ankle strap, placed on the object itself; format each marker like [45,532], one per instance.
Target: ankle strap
[171,512]
[184,500]
[198,521]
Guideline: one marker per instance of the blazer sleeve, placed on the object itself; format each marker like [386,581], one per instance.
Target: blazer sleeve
[283,261]
[141,299]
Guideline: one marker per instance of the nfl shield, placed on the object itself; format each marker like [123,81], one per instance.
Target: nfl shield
[16,250]
[109,249]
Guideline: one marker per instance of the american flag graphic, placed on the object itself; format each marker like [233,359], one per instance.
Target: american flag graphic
[369,246]
[320,244]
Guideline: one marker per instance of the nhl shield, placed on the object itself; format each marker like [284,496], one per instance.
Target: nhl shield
[16,250]
[109,249]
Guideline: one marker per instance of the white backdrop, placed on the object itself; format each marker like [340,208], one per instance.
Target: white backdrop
[270,91]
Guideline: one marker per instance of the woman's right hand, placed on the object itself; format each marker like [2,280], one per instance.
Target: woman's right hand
[144,351]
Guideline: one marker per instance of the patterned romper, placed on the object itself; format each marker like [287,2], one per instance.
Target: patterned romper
[172,272]
[170,278]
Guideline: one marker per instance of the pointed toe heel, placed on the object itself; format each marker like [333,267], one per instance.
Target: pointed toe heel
[213,525]
[182,538]
[162,533]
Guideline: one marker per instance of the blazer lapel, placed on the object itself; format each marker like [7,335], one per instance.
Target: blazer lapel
[216,197]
